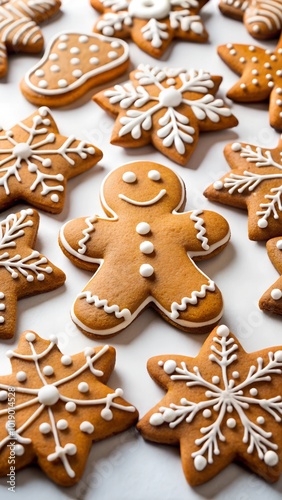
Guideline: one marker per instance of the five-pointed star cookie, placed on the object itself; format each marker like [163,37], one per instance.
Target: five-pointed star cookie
[19,31]
[36,161]
[23,270]
[151,25]
[271,300]
[167,107]
[261,79]
[223,405]
[255,184]
[62,405]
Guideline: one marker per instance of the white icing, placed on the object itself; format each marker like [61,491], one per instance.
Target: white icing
[146,270]
[147,247]
[146,9]
[19,450]
[87,427]
[3,395]
[266,14]
[199,226]
[48,395]
[83,387]
[45,428]
[48,370]
[70,407]
[62,424]
[143,228]
[169,366]
[276,294]
[66,360]
[154,175]
[146,203]
[21,376]
[129,177]
[30,337]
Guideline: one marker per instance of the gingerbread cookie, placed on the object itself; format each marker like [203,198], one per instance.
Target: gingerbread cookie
[144,253]
[261,76]
[24,271]
[233,8]
[62,405]
[255,184]
[36,161]
[222,405]
[72,64]
[151,25]
[19,31]
[271,300]
[168,107]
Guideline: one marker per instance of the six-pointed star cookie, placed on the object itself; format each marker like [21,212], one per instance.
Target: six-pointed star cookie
[261,79]
[223,405]
[36,161]
[151,25]
[271,300]
[255,184]
[62,405]
[23,270]
[168,107]
[19,29]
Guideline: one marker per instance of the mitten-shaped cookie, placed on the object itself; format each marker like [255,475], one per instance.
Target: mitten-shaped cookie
[144,253]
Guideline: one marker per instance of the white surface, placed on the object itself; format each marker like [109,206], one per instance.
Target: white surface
[126,467]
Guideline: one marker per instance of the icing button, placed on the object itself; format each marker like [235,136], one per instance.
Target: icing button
[143,228]
[276,294]
[146,270]
[147,247]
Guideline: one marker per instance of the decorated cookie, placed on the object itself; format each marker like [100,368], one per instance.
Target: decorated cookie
[233,8]
[271,300]
[62,405]
[261,79]
[145,253]
[24,271]
[36,161]
[19,29]
[73,64]
[255,184]
[168,107]
[151,25]
[223,405]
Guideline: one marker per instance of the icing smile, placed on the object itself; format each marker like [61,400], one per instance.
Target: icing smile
[144,203]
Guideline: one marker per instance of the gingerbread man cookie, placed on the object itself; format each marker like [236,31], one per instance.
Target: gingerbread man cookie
[222,405]
[36,161]
[62,405]
[168,107]
[23,270]
[261,79]
[19,31]
[271,300]
[145,253]
[255,184]
[151,25]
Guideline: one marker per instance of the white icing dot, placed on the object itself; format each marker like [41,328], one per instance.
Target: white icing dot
[171,81]
[94,60]
[3,395]
[53,338]
[200,463]
[77,73]
[2,295]
[252,48]
[235,374]
[233,52]
[207,413]
[115,45]
[243,86]
[48,395]
[147,247]
[218,185]
[270,84]
[156,419]
[40,73]
[75,61]
[43,84]
[94,48]
[30,337]
[278,91]
[112,54]
[273,58]
[53,57]
[83,39]
[276,294]
[169,415]
[255,72]
[242,60]
[169,366]
[55,198]
[45,428]
[267,65]
[62,424]
[48,370]
[255,81]
[143,228]
[260,420]
[262,223]
[215,379]
[107,414]
[146,270]
[253,391]
[129,177]
[86,427]
[62,83]
[154,175]
[75,50]
[278,356]
[64,38]
[55,68]
[66,360]
[19,450]
[254,59]
[2,307]
[271,458]
[279,72]
[71,449]
[231,423]
[21,376]
[236,146]
[70,406]
[83,387]
[160,363]
[2,319]
[62,46]
[279,102]
[223,331]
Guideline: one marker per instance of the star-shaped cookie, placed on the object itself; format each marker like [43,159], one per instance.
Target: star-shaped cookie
[151,25]
[23,270]
[61,405]
[36,161]
[271,300]
[261,79]
[223,405]
[19,31]
[255,184]
[167,107]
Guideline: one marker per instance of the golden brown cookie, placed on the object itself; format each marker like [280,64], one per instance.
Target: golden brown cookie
[223,405]
[24,271]
[19,31]
[167,107]
[72,64]
[145,252]
[271,300]
[254,184]
[151,25]
[36,161]
[53,406]
[233,8]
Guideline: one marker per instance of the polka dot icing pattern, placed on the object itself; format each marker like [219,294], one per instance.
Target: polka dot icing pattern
[249,406]
[60,437]
[81,63]
[271,300]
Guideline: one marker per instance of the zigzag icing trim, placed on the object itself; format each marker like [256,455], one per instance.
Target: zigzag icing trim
[199,226]
[175,307]
[94,299]
[86,234]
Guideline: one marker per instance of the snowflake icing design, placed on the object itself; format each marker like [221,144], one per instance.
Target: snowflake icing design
[223,397]
[174,103]
[72,387]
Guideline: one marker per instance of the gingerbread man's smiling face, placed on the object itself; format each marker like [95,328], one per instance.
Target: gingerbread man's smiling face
[143,185]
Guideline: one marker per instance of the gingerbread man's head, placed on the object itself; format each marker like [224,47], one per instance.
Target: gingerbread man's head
[144,185]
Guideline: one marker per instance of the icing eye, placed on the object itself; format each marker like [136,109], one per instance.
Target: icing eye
[129,177]
[154,175]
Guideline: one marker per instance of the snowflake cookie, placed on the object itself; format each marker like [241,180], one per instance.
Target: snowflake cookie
[36,161]
[255,184]
[168,107]
[144,253]
[261,79]
[23,270]
[61,405]
[222,405]
[19,29]
[271,300]
[151,25]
